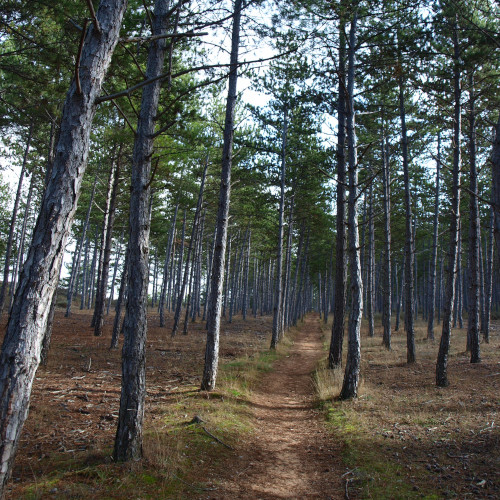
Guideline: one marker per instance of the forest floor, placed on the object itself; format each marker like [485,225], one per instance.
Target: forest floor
[272,429]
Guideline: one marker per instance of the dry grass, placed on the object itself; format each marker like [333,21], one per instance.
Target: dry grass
[66,447]
[404,437]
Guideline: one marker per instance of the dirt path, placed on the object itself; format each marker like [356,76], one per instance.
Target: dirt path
[290,455]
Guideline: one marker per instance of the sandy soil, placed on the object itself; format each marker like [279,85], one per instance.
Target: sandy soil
[290,455]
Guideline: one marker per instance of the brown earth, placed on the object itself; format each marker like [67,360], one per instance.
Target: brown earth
[290,454]
[402,438]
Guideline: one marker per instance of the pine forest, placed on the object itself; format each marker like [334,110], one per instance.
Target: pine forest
[250,249]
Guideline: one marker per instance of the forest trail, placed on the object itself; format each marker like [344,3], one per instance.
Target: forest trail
[290,454]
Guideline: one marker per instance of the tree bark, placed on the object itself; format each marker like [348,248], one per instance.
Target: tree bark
[20,354]
[339,304]
[495,184]
[128,442]
[212,346]
[444,346]
[351,375]
[474,239]
[386,268]
[278,302]
[433,267]
[409,252]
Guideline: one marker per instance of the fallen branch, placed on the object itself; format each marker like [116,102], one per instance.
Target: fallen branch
[217,439]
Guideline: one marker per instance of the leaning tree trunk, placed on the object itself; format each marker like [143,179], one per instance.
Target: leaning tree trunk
[444,346]
[352,369]
[10,238]
[20,354]
[433,274]
[212,347]
[409,255]
[474,240]
[339,304]
[128,442]
[278,301]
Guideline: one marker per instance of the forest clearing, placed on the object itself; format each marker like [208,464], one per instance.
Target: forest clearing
[402,437]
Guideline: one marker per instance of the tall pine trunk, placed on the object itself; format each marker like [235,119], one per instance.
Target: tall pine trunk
[433,267]
[444,345]
[386,264]
[278,302]
[409,255]
[217,277]
[20,354]
[128,442]
[339,301]
[352,369]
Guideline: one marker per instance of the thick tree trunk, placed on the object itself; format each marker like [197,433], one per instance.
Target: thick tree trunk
[444,346]
[339,304]
[20,354]
[217,278]
[128,442]
[353,363]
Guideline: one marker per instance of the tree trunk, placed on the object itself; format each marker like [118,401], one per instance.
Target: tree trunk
[339,304]
[433,268]
[212,347]
[190,249]
[128,442]
[166,277]
[352,369]
[78,251]
[409,255]
[444,346]
[20,354]
[10,238]
[489,282]
[119,303]
[101,295]
[386,265]
[495,184]
[278,302]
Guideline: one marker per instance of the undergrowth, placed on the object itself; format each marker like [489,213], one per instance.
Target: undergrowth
[183,439]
